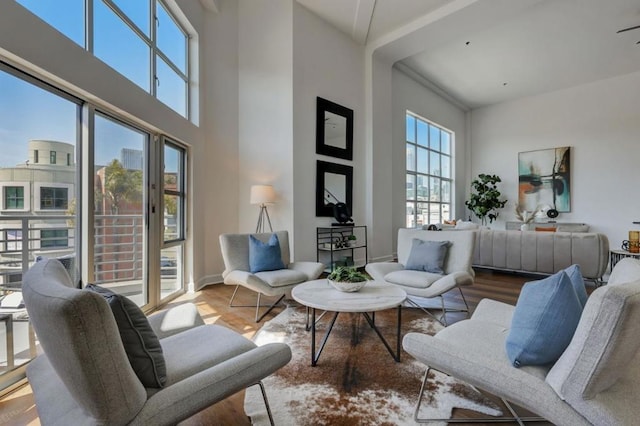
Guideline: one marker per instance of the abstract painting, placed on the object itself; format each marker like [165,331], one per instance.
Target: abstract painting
[544,179]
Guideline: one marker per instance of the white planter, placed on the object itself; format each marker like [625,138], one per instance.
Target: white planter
[525,227]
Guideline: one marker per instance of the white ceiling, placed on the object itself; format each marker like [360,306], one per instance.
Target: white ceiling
[534,47]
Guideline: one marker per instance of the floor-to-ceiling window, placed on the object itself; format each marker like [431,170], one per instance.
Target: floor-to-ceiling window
[429,179]
[119,220]
[38,127]
[173,222]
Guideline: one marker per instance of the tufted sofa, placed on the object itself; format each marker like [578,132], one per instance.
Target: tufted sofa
[542,252]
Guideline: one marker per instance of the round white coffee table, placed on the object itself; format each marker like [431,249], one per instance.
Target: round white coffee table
[373,297]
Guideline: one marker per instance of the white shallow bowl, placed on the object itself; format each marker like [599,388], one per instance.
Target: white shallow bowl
[346,286]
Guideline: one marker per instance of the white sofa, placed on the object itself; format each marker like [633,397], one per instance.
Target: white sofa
[542,252]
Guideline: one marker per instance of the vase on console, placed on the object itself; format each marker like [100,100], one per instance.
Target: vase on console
[525,227]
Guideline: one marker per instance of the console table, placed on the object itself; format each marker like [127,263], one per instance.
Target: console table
[564,226]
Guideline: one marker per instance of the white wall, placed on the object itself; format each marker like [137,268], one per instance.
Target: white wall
[328,64]
[410,95]
[265,108]
[216,178]
[599,121]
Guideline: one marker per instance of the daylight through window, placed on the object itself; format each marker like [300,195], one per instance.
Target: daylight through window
[429,180]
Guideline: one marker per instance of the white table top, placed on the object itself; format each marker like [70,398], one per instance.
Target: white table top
[372,297]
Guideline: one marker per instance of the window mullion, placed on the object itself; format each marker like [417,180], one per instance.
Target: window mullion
[168,61]
[129,22]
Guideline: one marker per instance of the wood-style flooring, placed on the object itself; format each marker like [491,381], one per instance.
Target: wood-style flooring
[18,408]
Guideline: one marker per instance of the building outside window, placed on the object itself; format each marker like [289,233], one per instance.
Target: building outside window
[52,157]
[13,197]
[429,182]
[36,158]
[68,159]
[54,198]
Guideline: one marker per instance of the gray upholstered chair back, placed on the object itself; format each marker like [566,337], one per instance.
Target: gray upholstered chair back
[80,339]
[235,249]
[459,254]
[604,345]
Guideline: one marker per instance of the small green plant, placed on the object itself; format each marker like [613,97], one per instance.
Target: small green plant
[485,201]
[348,274]
[351,238]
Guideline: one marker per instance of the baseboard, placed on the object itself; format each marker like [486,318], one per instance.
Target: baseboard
[208,280]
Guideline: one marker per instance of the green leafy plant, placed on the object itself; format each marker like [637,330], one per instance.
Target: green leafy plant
[485,198]
[348,274]
[351,237]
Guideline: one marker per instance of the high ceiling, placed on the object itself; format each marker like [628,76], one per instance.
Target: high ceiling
[481,52]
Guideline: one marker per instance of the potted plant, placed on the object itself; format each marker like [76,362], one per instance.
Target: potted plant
[351,240]
[348,279]
[485,198]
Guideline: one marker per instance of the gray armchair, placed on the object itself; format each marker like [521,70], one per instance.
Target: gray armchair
[457,269]
[84,375]
[235,253]
[595,381]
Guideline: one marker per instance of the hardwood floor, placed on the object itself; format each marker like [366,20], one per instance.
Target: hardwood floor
[18,408]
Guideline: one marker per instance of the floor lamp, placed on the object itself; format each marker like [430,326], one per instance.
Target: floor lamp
[263,195]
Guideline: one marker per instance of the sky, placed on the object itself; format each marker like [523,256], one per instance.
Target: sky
[29,112]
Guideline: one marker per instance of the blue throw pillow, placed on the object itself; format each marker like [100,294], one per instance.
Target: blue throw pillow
[427,256]
[575,275]
[265,256]
[544,320]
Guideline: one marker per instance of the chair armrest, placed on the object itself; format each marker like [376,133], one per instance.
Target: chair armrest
[448,282]
[175,320]
[378,270]
[311,269]
[185,398]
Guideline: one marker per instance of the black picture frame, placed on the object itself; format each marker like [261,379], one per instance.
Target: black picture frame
[327,111]
[324,201]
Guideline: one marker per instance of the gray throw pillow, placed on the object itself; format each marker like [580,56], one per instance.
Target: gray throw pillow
[140,341]
[428,256]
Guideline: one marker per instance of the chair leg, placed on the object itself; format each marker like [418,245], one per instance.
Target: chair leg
[257,305]
[514,418]
[269,307]
[443,318]
[266,401]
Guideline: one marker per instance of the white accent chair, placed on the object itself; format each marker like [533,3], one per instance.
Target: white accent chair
[235,253]
[457,268]
[595,381]
[85,378]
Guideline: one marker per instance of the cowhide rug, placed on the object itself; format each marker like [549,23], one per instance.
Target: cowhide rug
[356,382]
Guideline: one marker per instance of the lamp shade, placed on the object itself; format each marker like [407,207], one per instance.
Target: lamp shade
[262,194]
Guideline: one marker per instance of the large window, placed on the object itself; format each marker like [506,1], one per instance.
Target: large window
[140,39]
[429,180]
[14,197]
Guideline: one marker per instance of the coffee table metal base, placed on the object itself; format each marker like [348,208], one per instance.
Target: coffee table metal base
[371,319]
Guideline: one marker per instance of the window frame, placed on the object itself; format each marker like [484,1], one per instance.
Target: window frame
[416,172]
[149,40]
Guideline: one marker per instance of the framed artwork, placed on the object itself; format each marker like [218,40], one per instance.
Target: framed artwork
[334,129]
[334,184]
[544,179]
